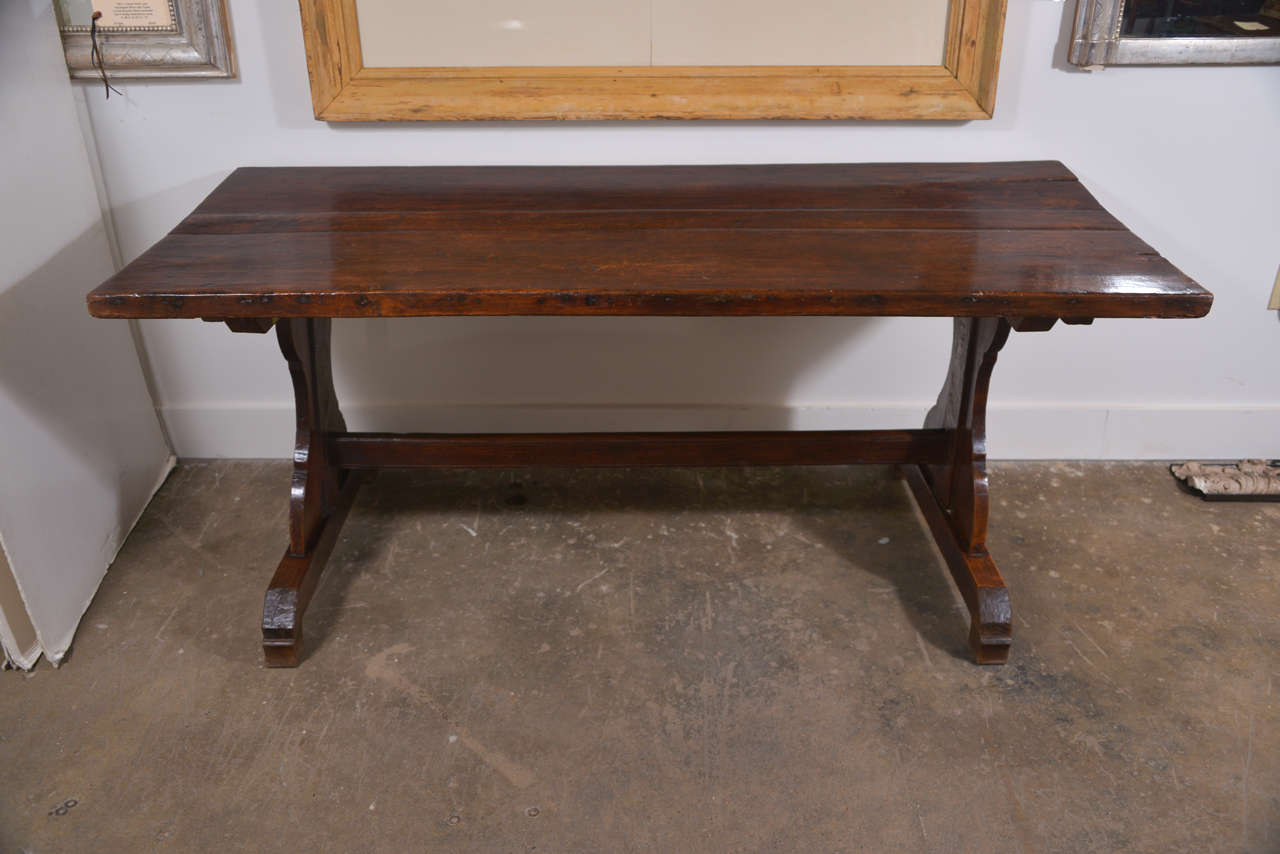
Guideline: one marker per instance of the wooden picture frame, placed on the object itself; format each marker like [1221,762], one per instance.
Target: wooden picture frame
[344,90]
[198,44]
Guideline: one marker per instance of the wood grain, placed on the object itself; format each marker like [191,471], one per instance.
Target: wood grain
[975,34]
[596,95]
[976,577]
[320,493]
[342,89]
[779,190]
[1002,239]
[953,496]
[739,448]
[333,55]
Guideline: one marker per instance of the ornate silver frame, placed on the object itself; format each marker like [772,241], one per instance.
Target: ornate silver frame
[1096,41]
[198,45]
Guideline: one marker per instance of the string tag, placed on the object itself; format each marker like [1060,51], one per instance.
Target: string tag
[95,55]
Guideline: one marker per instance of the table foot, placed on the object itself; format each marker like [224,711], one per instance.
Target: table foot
[975,574]
[294,583]
[283,653]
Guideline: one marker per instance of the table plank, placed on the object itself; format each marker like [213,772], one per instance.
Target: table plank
[1003,239]
[911,186]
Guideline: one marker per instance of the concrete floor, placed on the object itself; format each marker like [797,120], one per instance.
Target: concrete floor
[665,661]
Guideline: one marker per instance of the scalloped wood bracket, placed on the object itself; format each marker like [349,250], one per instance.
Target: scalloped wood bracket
[953,496]
[320,492]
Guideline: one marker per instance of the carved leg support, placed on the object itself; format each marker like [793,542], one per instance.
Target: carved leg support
[320,493]
[953,496]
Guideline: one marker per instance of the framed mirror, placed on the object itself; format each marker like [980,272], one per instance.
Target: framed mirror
[431,60]
[1175,32]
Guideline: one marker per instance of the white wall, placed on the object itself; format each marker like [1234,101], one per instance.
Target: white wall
[82,450]
[1185,156]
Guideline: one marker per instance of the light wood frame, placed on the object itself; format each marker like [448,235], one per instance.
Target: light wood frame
[344,90]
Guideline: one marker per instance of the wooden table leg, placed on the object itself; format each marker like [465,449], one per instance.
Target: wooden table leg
[953,496]
[320,492]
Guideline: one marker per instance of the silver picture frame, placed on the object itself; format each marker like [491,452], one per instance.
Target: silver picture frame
[198,44]
[1096,41]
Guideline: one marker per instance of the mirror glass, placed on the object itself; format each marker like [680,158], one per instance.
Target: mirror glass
[435,33]
[1183,18]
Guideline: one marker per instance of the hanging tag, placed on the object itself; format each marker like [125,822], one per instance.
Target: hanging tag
[95,55]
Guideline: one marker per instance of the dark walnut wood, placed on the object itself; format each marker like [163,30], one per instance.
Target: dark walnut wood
[997,246]
[997,239]
[745,448]
[953,495]
[319,495]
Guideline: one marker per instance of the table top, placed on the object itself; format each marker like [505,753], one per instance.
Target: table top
[937,239]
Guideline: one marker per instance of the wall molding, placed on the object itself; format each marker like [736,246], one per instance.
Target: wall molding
[1016,432]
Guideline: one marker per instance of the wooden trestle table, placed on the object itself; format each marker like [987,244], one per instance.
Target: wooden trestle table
[996,246]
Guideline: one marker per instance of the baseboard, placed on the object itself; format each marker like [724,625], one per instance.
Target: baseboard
[1047,431]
